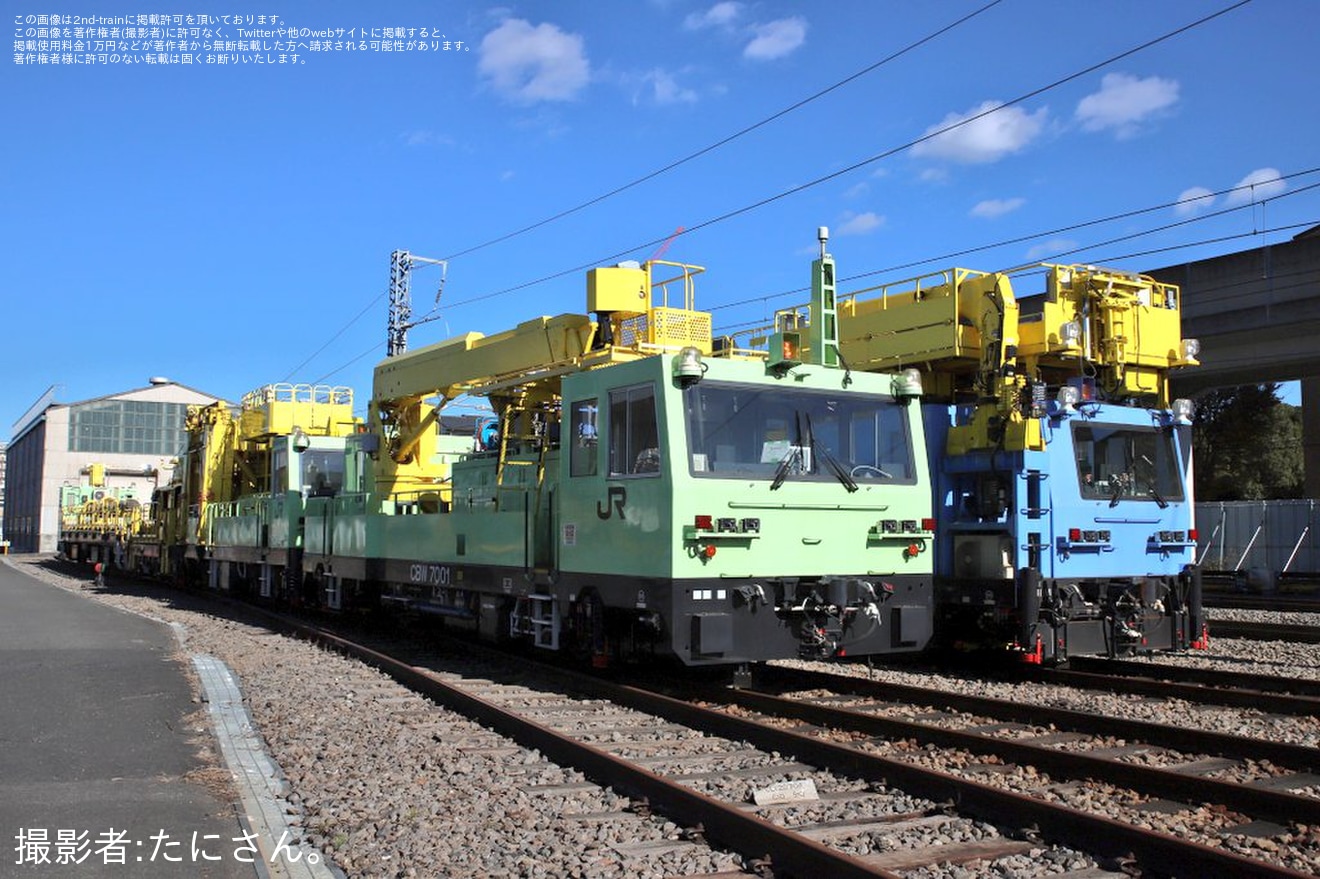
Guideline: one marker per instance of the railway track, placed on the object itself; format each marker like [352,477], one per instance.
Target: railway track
[1258,684]
[1069,744]
[697,764]
[1289,603]
[1298,616]
[1255,631]
[1007,714]
[883,797]
[1267,693]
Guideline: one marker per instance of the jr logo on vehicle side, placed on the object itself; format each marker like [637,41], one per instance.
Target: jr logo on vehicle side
[614,501]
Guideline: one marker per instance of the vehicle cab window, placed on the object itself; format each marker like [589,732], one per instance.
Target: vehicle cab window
[634,432]
[584,438]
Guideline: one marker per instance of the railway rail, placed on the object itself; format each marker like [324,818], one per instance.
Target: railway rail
[1205,677]
[1262,692]
[696,765]
[1254,631]
[1285,602]
[1181,783]
[561,726]
[990,710]
[1066,744]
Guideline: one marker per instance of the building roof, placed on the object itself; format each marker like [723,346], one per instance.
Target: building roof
[117,394]
[37,411]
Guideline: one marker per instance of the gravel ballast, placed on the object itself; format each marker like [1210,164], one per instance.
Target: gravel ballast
[388,784]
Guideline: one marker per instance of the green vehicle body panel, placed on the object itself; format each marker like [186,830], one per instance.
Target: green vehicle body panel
[720,564]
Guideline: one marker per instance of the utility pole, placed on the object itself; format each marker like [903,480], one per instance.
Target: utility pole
[400,319]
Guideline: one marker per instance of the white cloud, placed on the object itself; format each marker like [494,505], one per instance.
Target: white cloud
[1259,185]
[719,15]
[776,39]
[1192,200]
[530,63]
[426,138]
[665,88]
[986,139]
[767,41]
[1123,101]
[934,175]
[857,190]
[1052,249]
[997,207]
[859,224]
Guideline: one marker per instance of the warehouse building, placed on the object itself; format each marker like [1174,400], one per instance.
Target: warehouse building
[3,449]
[134,436]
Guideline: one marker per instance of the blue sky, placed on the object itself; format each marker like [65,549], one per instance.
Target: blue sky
[223,224]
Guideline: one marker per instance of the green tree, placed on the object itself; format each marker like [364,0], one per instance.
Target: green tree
[1248,445]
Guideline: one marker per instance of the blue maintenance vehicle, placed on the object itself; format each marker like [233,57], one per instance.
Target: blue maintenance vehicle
[1061,468]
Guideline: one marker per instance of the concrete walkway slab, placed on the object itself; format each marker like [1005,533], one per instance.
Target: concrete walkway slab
[100,767]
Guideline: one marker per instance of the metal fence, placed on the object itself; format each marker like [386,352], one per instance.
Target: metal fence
[1262,539]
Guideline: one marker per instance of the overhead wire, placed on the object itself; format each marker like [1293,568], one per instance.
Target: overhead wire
[1019,239]
[1217,240]
[745,326]
[370,305]
[685,159]
[1062,253]
[344,366]
[1058,254]
[730,138]
[929,135]
[1111,258]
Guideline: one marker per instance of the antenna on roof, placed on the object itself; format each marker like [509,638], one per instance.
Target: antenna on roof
[660,251]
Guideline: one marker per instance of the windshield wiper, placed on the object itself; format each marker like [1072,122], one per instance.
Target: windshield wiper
[830,461]
[794,456]
[1159,500]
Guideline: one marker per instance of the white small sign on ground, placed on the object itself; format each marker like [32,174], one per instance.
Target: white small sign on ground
[786,792]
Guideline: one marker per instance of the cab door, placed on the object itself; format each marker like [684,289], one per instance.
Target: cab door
[613,497]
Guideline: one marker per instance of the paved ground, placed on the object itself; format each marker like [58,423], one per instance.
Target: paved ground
[97,747]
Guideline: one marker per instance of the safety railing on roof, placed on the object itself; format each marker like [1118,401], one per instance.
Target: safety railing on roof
[663,327]
[285,392]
